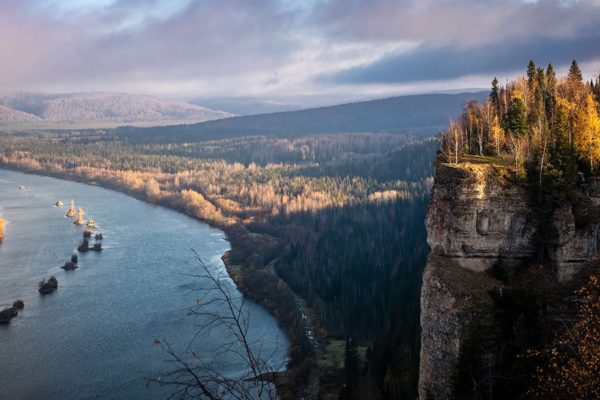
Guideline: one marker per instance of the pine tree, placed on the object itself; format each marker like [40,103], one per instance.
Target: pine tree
[531,75]
[550,77]
[575,83]
[541,78]
[495,95]
[575,74]
[517,117]
[550,92]
[537,103]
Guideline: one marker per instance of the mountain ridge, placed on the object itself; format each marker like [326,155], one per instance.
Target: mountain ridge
[98,107]
[414,114]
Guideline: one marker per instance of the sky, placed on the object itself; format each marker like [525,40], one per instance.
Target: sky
[268,48]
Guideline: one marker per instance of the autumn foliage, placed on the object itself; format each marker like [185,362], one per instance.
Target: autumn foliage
[571,367]
[542,120]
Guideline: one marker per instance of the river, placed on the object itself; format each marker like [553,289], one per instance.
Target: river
[93,338]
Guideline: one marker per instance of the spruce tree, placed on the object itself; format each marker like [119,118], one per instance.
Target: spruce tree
[537,85]
[541,78]
[531,75]
[575,74]
[517,117]
[550,77]
[550,92]
[495,95]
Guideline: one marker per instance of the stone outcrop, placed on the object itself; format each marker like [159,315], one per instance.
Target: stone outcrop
[477,218]
[578,237]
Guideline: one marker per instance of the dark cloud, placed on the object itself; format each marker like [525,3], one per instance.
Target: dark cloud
[462,37]
[461,22]
[430,63]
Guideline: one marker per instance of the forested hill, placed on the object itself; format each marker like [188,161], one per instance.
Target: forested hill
[416,114]
[96,109]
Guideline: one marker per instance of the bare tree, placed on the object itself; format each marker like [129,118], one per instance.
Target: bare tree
[453,141]
[517,147]
[202,376]
[486,122]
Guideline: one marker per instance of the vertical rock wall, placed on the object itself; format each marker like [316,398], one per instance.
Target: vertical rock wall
[477,218]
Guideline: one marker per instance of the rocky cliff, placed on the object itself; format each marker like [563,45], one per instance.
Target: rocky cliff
[477,217]
[480,220]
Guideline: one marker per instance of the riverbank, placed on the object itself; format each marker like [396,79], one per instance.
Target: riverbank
[245,262]
[147,280]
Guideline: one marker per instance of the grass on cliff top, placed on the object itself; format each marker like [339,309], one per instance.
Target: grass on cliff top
[489,160]
[482,165]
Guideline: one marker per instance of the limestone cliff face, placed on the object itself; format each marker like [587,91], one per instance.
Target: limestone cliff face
[452,299]
[578,237]
[477,218]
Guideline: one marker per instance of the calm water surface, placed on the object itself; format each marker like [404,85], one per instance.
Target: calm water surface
[92,338]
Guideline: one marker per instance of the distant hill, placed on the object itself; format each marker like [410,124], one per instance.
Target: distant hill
[11,115]
[247,106]
[416,114]
[97,108]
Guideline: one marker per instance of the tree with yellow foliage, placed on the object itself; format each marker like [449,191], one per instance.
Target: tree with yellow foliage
[587,141]
[497,134]
[572,370]
[565,117]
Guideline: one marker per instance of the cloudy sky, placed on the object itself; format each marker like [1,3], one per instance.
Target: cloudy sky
[262,48]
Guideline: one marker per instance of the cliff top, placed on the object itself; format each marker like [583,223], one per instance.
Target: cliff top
[474,169]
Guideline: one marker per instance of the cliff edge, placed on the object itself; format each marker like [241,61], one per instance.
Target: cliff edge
[482,228]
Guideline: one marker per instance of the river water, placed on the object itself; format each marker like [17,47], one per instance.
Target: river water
[93,338]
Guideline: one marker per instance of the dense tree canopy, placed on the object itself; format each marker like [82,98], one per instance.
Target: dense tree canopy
[540,122]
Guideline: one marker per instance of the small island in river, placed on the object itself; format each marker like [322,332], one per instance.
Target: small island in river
[85,245]
[47,286]
[8,313]
[71,265]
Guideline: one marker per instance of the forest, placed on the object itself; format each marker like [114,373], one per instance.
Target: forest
[335,218]
[547,127]
[540,132]
[422,115]
[541,121]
